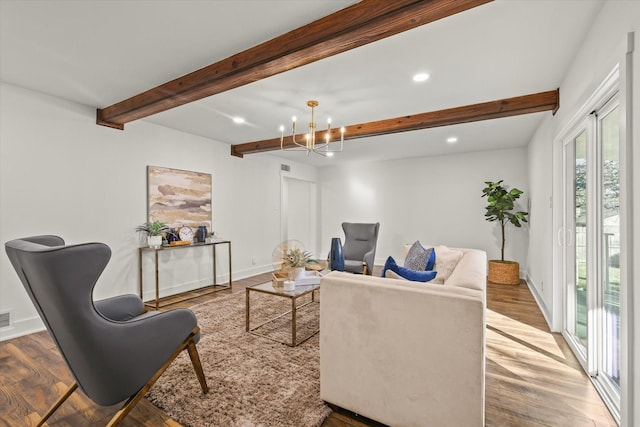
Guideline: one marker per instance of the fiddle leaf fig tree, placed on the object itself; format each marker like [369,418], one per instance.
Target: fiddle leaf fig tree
[501,207]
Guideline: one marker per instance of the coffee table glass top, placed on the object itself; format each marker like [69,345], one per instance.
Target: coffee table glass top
[269,288]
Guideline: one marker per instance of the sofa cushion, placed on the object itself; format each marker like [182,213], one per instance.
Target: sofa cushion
[390,274]
[446,261]
[471,271]
[353,266]
[416,276]
[420,258]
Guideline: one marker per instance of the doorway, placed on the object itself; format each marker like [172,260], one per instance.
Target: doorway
[299,207]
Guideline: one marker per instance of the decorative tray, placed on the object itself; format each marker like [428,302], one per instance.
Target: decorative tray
[179,243]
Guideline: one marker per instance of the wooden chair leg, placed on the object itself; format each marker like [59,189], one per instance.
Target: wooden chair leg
[197,366]
[127,407]
[133,400]
[56,405]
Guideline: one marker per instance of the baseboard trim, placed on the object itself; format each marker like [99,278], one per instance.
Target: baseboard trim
[34,324]
[22,327]
[249,272]
[539,301]
[149,294]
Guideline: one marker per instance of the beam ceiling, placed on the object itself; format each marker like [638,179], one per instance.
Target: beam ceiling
[360,24]
[534,103]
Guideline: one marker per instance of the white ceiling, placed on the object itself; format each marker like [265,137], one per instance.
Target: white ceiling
[103,51]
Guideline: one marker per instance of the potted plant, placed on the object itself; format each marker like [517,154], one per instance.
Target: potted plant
[297,259]
[154,232]
[501,208]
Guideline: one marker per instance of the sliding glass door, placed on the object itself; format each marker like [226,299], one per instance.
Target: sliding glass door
[592,251]
[575,238]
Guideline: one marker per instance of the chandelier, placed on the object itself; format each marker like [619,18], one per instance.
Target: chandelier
[309,144]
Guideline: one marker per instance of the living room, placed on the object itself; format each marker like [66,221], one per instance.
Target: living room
[62,174]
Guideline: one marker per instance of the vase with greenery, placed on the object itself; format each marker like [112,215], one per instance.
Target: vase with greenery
[297,260]
[154,231]
[501,208]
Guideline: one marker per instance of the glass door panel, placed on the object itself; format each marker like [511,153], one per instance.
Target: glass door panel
[575,239]
[610,247]
[580,236]
[580,233]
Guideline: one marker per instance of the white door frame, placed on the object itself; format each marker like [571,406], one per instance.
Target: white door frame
[284,203]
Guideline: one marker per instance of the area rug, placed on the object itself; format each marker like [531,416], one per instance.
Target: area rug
[252,380]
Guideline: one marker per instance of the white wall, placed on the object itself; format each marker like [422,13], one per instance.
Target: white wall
[605,45]
[62,174]
[539,273]
[436,200]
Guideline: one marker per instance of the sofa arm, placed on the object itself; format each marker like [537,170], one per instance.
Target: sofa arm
[400,353]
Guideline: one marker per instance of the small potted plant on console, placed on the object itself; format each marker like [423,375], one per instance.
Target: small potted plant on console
[154,232]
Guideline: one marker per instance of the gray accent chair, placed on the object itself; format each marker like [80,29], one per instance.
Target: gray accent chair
[114,349]
[359,247]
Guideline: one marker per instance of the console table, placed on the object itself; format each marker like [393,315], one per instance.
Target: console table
[211,288]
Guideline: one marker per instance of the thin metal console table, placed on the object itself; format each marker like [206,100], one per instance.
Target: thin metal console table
[213,287]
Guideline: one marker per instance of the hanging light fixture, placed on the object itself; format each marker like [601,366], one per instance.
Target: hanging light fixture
[309,144]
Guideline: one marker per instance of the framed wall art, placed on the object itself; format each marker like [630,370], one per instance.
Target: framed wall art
[178,197]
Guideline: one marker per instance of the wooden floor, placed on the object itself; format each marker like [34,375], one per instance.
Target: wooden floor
[532,377]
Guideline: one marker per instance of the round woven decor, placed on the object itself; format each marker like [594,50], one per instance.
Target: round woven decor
[504,272]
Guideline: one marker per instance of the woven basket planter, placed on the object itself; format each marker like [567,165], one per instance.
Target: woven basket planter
[504,272]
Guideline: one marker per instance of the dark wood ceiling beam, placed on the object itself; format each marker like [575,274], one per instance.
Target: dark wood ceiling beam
[360,24]
[534,103]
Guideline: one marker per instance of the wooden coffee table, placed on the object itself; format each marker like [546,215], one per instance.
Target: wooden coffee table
[298,292]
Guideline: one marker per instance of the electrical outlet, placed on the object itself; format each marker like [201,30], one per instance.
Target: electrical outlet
[5,319]
[253,260]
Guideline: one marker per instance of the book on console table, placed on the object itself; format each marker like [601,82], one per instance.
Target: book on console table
[310,278]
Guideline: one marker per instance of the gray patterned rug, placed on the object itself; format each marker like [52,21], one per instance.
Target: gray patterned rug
[252,380]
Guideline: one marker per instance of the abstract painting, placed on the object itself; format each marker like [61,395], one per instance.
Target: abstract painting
[178,197]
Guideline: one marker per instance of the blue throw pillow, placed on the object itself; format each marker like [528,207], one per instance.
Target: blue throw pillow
[431,262]
[415,276]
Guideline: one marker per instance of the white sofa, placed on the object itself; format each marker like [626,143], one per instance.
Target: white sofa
[406,353]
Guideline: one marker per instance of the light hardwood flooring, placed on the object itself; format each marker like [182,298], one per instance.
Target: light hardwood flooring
[532,378]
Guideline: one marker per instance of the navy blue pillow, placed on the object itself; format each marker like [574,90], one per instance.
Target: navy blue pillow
[431,262]
[415,276]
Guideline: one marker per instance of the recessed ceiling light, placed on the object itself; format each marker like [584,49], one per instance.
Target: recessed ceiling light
[452,140]
[238,120]
[421,77]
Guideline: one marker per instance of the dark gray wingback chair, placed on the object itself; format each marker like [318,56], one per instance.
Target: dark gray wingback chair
[114,349]
[359,247]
